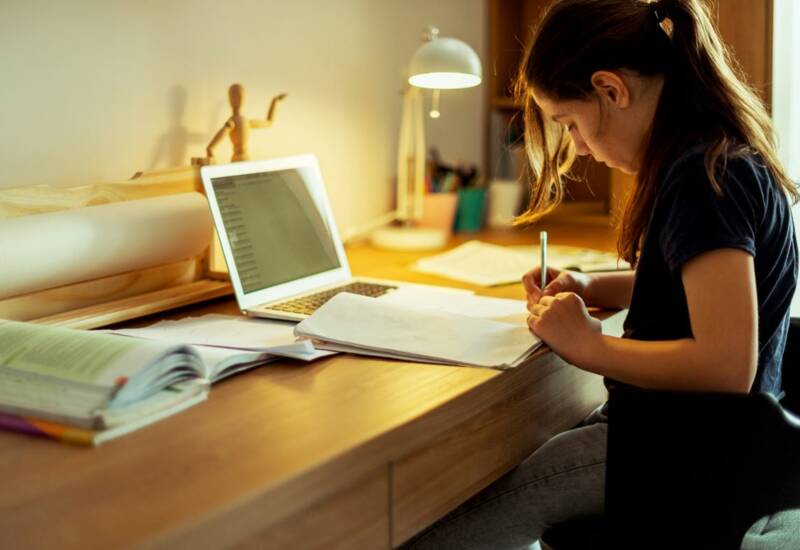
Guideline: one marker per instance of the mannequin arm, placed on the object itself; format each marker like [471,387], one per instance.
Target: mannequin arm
[217,138]
[270,113]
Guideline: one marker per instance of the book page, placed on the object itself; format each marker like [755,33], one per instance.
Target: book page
[223,340]
[48,398]
[227,331]
[74,355]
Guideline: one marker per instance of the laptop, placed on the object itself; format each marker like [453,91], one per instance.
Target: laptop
[279,239]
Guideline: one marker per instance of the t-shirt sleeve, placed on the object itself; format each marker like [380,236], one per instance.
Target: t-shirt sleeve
[696,219]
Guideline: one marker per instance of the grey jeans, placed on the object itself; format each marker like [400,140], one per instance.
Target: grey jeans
[563,480]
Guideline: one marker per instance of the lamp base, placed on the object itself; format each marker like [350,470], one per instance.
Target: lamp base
[409,238]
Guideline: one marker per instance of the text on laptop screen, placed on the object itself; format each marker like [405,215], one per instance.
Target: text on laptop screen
[275,229]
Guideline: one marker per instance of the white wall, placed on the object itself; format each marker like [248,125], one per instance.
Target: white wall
[94,90]
[786,96]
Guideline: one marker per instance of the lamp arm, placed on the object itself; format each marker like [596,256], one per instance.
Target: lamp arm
[419,157]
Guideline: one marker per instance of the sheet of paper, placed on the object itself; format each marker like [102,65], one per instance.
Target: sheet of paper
[575,258]
[486,264]
[229,331]
[484,307]
[425,333]
[478,263]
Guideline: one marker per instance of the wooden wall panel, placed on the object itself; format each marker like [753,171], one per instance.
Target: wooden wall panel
[746,26]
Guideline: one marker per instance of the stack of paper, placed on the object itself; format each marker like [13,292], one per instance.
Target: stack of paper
[485,264]
[363,325]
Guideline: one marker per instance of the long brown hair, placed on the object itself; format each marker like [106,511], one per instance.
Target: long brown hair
[704,97]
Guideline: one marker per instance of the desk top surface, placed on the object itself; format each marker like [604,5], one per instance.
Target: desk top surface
[291,430]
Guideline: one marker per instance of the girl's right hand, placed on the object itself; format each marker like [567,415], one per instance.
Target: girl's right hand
[558,280]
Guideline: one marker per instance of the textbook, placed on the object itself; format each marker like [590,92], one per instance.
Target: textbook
[362,325]
[88,387]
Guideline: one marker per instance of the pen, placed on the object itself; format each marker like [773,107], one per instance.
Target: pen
[543,262]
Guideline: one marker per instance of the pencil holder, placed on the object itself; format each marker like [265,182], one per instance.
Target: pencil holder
[503,202]
[469,213]
[439,211]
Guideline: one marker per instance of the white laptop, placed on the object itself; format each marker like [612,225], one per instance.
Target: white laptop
[279,239]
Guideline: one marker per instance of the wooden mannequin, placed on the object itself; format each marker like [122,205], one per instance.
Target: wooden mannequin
[238,127]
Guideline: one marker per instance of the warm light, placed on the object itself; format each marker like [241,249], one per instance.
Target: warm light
[444,81]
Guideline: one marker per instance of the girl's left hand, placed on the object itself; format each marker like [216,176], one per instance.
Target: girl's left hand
[564,324]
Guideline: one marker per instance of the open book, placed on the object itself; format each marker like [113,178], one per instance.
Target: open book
[88,387]
[361,325]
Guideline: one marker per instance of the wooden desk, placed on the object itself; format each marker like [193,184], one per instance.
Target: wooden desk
[345,452]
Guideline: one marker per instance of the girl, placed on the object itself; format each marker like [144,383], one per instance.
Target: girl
[647,88]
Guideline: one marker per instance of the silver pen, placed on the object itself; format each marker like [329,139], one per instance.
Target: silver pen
[543,262]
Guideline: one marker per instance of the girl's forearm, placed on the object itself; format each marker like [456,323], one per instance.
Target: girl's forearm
[671,364]
[610,290]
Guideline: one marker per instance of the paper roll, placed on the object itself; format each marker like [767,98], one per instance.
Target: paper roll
[44,251]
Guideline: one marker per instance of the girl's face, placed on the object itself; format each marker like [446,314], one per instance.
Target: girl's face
[613,125]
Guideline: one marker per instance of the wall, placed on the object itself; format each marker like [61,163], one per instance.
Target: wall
[785,94]
[95,91]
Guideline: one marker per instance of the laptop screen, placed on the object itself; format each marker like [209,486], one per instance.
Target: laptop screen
[275,228]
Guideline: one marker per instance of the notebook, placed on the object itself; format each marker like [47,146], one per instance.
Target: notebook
[279,238]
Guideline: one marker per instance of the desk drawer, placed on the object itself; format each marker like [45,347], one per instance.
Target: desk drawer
[356,517]
[434,480]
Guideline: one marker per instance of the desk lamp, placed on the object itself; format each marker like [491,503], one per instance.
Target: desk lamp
[438,64]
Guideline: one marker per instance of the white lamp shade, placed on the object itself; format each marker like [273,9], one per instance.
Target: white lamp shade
[445,64]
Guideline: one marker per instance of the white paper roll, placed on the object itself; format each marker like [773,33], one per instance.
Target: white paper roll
[60,248]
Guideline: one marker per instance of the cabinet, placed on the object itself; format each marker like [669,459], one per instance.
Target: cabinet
[745,25]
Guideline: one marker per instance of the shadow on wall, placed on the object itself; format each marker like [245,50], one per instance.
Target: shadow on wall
[172,147]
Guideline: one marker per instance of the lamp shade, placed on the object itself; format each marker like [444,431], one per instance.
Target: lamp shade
[445,64]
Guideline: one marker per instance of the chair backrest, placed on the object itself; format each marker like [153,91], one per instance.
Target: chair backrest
[791,368]
[697,467]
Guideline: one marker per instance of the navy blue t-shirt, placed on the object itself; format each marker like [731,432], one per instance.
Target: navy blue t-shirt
[689,218]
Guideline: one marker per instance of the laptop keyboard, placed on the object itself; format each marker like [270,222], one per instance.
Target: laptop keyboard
[309,304]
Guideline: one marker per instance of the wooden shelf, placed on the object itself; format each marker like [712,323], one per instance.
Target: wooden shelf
[138,306]
[505,103]
[510,23]
[593,213]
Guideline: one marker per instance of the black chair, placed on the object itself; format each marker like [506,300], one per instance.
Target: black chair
[791,368]
[692,469]
[696,470]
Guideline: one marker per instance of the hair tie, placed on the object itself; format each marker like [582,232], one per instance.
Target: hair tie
[662,19]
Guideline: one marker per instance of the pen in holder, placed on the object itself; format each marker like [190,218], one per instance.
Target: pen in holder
[455,198]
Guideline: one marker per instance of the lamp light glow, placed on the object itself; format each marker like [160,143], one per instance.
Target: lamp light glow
[444,81]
